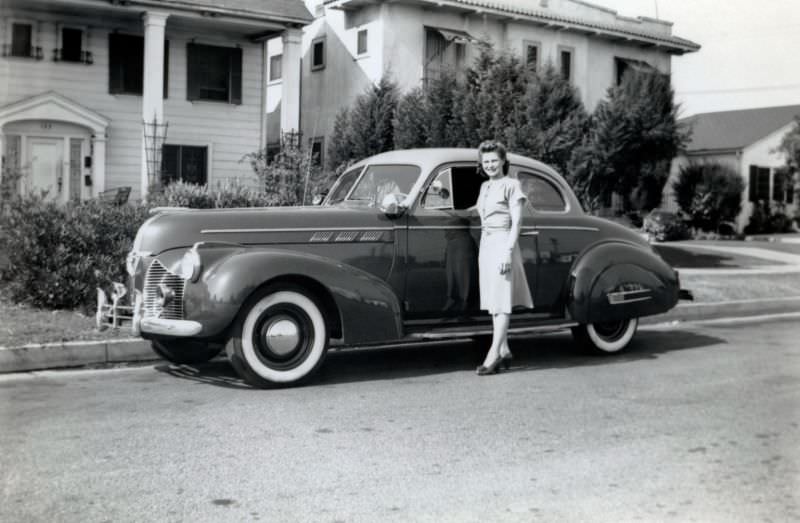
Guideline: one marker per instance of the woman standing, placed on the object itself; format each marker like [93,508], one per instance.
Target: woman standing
[503,284]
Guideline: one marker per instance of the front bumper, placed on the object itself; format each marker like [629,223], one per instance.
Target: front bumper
[113,312]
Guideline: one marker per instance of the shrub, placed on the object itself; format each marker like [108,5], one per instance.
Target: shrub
[766,220]
[292,177]
[58,254]
[709,193]
[230,193]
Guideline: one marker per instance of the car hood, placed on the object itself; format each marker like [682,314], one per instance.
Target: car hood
[179,228]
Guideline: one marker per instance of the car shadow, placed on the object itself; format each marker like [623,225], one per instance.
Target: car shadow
[530,354]
[686,258]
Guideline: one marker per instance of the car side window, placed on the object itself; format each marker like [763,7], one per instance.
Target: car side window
[542,194]
[346,182]
[440,192]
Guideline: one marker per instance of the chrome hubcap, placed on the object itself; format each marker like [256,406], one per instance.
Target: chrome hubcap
[282,336]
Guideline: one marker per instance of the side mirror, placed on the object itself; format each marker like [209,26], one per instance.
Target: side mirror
[392,204]
[319,198]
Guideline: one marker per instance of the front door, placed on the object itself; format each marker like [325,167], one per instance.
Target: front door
[46,159]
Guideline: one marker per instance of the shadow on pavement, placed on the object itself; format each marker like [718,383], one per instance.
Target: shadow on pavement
[687,258]
[530,354]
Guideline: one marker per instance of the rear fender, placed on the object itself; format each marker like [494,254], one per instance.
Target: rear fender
[614,281]
[368,308]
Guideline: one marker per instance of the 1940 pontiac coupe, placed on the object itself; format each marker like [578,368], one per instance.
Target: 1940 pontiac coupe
[388,257]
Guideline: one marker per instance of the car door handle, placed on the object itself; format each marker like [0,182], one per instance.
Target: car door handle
[530,233]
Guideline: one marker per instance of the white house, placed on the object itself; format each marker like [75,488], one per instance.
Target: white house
[352,43]
[745,140]
[80,78]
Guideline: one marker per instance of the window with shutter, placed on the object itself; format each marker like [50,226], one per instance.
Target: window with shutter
[275,64]
[758,188]
[362,42]
[126,64]
[565,63]
[318,54]
[71,45]
[214,73]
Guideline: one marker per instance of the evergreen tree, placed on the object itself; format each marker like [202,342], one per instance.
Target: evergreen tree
[340,148]
[709,194]
[439,104]
[410,122]
[634,135]
[555,120]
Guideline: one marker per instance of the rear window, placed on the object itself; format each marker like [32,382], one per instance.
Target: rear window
[542,194]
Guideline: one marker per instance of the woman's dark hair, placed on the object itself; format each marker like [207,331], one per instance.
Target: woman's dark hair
[492,146]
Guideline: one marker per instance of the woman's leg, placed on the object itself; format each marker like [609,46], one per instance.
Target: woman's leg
[499,338]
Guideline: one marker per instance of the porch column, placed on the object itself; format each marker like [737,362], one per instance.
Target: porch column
[153,85]
[98,164]
[290,80]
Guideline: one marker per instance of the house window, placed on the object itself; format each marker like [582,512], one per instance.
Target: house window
[362,42]
[318,55]
[565,64]
[783,187]
[71,45]
[624,65]
[317,150]
[532,56]
[22,37]
[275,64]
[445,50]
[126,64]
[186,163]
[214,73]
[758,188]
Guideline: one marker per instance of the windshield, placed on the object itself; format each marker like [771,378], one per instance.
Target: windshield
[344,185]
[375,184]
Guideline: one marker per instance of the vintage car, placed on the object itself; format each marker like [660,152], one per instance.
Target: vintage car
[388,257]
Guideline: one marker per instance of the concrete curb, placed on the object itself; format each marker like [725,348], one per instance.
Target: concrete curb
[82,353]
[74,354]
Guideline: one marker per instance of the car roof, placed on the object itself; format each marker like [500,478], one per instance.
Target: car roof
[429,158]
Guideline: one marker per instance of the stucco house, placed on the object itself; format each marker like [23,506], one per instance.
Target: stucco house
[745,140]
[352,43]
[80,78]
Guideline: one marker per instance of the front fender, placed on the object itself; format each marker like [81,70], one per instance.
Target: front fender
[613,281]
[368,307]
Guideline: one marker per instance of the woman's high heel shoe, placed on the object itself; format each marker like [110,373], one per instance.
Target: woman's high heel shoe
[507,357]
[493,368]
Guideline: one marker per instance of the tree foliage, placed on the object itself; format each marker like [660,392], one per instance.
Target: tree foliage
[633,136]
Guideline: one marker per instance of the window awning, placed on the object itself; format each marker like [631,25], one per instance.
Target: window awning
[638,65]
[453,35]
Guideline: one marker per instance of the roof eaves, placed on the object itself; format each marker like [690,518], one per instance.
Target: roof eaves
[680,45]
[188,5]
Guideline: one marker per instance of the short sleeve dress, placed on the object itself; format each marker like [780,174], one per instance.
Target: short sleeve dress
[500,293]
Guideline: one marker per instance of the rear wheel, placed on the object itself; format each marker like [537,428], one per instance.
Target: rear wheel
[185,351]
[605,338]
[280,339]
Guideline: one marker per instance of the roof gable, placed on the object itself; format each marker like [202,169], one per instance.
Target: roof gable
[729,130]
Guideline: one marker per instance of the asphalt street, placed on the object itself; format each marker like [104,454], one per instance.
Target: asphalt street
[695,423]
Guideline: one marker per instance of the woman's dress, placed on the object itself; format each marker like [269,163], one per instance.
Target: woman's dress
[500,293]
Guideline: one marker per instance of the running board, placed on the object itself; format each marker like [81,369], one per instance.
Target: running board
[443,334]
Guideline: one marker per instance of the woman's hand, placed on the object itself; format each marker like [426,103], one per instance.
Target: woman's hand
[505,265]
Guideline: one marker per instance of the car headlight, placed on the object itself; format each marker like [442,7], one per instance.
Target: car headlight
[190,266]
[133,263]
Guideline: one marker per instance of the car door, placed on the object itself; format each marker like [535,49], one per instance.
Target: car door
[442,247]
[558,238]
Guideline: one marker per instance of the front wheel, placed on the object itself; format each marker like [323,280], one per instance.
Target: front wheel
[186,352]
[280,339]
[605,338]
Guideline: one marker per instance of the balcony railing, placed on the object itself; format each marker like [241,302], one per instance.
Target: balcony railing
[24,52]
[84,57]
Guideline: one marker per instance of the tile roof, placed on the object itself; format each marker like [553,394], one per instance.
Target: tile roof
[526,8]
[277,10]
[736,129]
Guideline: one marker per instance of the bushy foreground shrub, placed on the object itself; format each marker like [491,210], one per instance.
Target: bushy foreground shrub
[58,254]
[231,193]
[710,194]
[766,220]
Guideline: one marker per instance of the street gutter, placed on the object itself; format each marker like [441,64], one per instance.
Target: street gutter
[128,350]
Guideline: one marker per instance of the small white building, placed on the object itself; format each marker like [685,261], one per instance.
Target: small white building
[745,140]
[352,43]
[78,79]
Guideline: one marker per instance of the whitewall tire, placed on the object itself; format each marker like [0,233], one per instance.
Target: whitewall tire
[280,340]
[606,338]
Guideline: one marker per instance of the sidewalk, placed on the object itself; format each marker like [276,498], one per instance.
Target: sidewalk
[757,259]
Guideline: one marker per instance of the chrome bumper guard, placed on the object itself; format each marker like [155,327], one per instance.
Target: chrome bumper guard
[112,313]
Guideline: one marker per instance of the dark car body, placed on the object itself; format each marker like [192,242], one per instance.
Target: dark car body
[389,257]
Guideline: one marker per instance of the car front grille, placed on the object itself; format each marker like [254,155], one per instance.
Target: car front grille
[156,275]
